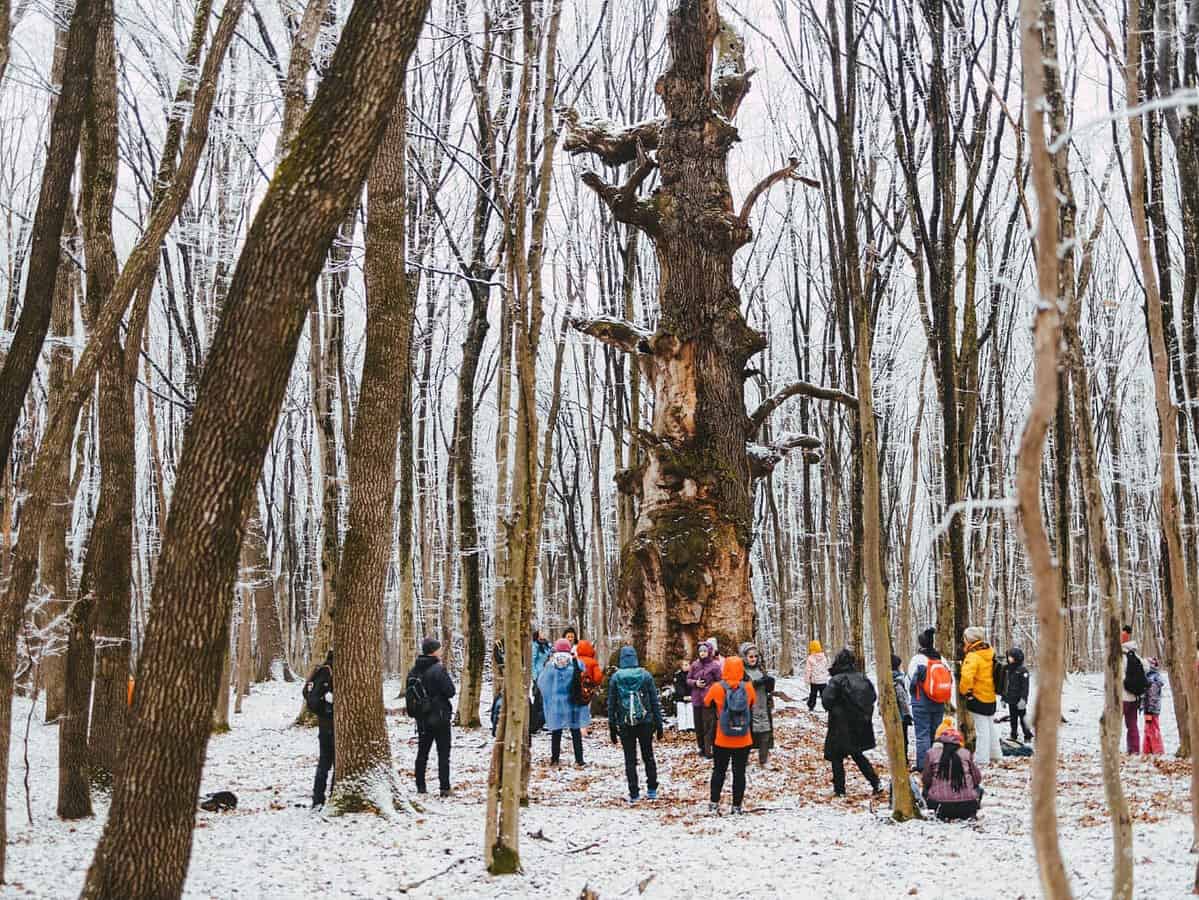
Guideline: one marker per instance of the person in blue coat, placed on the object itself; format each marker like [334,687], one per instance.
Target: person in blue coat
[541,653]
[561,713]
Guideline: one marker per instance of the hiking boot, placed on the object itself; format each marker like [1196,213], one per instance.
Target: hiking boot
[877,789]
[651,794]
[633,798]
[714,808]
[737,811]
[443,793]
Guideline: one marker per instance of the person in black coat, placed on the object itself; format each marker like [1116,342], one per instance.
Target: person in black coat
[1015,692]
[433,722]
[318,696]
[849,699]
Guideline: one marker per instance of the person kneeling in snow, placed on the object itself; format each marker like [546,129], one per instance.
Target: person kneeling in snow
[634,715]
[952,782]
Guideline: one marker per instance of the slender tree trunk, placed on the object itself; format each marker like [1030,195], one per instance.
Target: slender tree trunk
[1045,573]
[144,849]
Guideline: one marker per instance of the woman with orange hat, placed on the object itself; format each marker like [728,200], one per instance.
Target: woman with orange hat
[732,698]
[952,782]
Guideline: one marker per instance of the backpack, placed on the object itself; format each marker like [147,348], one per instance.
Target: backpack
[314,701]
[1008,747]
[938,681]
[581,688]
[416,697]
[734,716]
[998,676]
[1135,680]
[628,697]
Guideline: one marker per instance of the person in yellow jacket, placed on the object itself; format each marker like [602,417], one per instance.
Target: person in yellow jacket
[978,687]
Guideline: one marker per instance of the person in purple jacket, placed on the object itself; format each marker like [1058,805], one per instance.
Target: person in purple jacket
[952,782]
[704,673]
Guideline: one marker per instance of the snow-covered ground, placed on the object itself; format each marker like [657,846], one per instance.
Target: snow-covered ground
[797,841]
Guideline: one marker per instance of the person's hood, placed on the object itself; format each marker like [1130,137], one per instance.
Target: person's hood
[713,647]
[733,669]
[628,658]
[561,660]
[1017,655]
[1129,644]
[980,647]
[585,648]
[423,663]
[844,662]
[814,647]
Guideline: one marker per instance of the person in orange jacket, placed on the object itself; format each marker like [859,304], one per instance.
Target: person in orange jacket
[585,653]
[733,698]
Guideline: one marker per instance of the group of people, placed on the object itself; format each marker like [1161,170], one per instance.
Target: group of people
[729,702]
[1141,686]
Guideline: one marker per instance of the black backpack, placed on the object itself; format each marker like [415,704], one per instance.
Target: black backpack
[314,700]
[1135,680]
[416,697]
[999,676]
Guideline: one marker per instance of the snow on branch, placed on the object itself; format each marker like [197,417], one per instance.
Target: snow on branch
[732,78]
[615,332]
[788,172]
[613,144]
[764,457]
[781,396]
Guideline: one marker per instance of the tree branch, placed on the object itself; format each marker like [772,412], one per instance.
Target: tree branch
[622,201]
[764,457]
[732,78]
[787,172]
[781,396]
[613,145]
[615,332]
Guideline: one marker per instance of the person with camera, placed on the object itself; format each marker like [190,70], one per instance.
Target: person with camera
[427,695]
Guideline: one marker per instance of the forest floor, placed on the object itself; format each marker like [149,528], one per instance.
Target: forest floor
[797,841]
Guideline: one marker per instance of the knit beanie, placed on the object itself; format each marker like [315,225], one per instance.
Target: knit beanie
[926,638]
[814,647]
[947,724]
[973,634]
[429,646]
[562,645]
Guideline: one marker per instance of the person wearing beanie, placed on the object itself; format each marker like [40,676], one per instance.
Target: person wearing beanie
[951,780]
[849,699]
[634,717]
[561,712]
[899,680]
[925,667]
[1134,683]
[815,670]
[428,694]
[1152,701]
[979,688]
[1015,693]
[763,724]
[734,736]
[318,697]
[704,673]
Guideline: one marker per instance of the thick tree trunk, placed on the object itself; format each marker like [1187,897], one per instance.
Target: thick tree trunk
[145,846]
[365,778]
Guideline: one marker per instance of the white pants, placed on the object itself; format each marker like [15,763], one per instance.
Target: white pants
[686,716]
[986,747]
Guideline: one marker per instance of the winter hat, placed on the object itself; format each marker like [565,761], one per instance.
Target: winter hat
[947,724]
[712,645]
[950,736]
[926,637]
[429,646]
[1017,654]
[747,648]
[562,645]
[896,662]
[814,647]
[703,646]
[973,634]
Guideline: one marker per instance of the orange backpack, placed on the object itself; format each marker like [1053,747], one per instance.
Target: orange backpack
[938,681]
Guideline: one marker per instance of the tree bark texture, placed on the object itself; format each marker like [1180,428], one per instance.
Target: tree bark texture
[144,849]
[364,774]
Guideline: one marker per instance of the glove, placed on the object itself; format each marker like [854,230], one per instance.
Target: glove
[328,696]
[661,731]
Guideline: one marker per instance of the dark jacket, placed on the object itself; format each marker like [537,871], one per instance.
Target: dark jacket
[682,693]
[630,677]
[849,699]
[320,684]
[1015,681]
[438,686]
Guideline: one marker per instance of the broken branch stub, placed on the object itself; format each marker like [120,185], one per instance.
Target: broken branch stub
[613,145]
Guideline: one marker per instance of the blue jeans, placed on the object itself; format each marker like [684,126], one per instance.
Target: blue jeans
[926,717]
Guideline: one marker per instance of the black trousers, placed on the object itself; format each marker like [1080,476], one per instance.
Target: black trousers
[814,693]
[632,737]
[425,740]
[324,764]
[1017,720]
[721,757]
[576,741]
[864,766]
